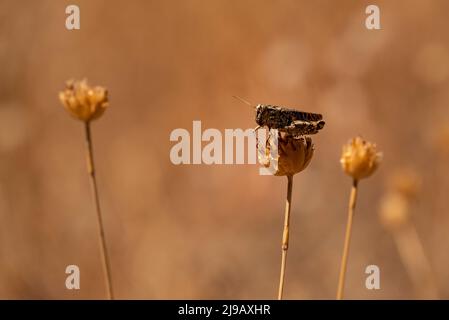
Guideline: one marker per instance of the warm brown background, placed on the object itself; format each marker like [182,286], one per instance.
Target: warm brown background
[214,231]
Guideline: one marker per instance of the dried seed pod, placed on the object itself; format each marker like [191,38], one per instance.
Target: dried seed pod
[359,158]
[393,211]
[84,102]
[293,156]
[406,182]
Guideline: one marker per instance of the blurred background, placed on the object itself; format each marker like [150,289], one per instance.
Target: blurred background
[214,232]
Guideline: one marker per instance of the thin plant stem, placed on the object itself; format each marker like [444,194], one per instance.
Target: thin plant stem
[102,240]
[285,236]
[344,259]
[417,264]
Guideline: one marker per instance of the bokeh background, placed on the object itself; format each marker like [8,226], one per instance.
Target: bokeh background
[214,232]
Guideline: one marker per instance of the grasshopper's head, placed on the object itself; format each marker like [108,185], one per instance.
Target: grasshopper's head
[260,108]
[320,124]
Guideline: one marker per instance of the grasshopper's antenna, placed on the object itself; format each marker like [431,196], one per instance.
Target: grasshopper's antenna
[244,101]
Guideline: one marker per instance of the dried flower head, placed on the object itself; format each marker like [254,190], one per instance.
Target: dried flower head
[406,182]
[393,211]
[359,158]
[293,156]
[84,102]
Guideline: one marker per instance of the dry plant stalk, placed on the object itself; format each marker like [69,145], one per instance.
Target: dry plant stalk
[294,155]
[93,181]
[285,236]
[359,160]
[344,258]
[419,269]
[395,217]
[87,104]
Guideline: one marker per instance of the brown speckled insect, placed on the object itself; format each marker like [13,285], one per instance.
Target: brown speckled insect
[294,122]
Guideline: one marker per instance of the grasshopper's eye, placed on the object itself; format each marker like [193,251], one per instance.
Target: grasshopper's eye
[320,124]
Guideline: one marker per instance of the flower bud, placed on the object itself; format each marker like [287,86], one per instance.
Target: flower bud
[393,212]
[84,102]
[359,158]
[406,182]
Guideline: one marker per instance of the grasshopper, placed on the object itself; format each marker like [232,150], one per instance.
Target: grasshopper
[291,121]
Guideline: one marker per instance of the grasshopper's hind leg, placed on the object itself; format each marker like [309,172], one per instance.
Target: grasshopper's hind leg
[257,136]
